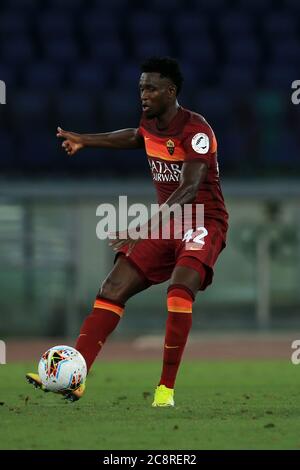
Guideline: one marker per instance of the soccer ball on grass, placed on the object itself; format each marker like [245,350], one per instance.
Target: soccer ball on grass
[62,368]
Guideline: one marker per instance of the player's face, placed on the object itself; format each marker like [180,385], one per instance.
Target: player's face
[157,94]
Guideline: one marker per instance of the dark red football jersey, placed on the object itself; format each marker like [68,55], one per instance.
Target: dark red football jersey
[187,137]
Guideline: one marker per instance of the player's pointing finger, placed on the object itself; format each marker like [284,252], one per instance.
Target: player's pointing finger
[61,132]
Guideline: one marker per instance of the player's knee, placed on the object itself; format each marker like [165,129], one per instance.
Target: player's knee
[112,290]
[191,275]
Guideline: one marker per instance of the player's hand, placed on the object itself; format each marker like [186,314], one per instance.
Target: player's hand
[72,143]
[123,239]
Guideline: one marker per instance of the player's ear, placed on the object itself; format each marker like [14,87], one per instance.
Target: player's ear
[172,90]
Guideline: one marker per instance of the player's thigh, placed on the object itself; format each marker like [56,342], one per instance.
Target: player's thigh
[122,282]
[194,269]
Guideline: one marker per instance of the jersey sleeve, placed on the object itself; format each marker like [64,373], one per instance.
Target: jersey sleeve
[200,144]
[141,127]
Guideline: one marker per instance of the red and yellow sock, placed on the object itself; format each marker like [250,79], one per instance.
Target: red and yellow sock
[179,322]
[97,327]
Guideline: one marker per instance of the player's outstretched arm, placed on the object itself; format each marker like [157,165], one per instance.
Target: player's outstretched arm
[192,176]
[122,139]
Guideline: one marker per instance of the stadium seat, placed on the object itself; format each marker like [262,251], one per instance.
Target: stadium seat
[281,24]
[127,104]
[277,76]
[67,4]
[292,6]
[13,25]
[89,76]
[193,76]
[30,108]
[243,51]
[75,63]
[8,73]
[214,104]
[104,25]
[213,6]
[106,51]
[144,24]
[239,77]
[76,109]
[286,51]
[17,50]
[44,76]
[255,6]
[61,52]
[200,53]
[188,24]
[41,153]
[151,47]
[114,5]
[240,152]
[167,6]
[22,5]
[236,23]
[55,24]
[127,75]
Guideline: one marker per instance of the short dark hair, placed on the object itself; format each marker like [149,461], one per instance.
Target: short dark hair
[167,67]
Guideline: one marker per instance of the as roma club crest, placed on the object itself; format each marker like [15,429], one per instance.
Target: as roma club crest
[170,146]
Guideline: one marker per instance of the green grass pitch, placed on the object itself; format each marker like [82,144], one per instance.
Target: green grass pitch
[219,405]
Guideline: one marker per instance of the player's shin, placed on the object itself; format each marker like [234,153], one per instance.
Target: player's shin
[97,327]
[179,322]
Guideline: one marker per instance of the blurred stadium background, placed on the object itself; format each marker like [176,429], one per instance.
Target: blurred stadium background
[75,63]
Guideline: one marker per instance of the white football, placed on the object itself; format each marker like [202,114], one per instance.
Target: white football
[62,368]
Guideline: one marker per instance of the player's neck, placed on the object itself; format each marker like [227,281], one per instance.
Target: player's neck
[163,121]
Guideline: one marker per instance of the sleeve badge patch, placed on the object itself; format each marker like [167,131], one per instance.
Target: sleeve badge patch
[200,143]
